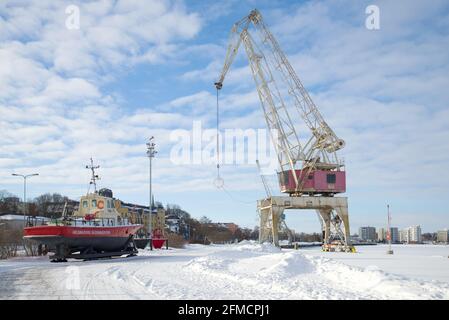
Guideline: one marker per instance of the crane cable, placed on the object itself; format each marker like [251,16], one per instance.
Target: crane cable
[235,199]
[218,138]
[219,183]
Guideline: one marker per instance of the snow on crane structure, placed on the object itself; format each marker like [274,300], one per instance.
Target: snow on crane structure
[310,171]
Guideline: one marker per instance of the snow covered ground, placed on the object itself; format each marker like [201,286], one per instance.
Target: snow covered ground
[242,271]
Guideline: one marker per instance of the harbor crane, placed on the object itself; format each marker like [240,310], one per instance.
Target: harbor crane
[310,173]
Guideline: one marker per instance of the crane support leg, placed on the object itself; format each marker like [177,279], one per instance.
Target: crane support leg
[270,218]
[325,214]
[332,210]
[275,218]
[264,225]
[342,212]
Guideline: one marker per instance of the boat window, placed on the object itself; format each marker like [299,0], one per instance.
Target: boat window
[94,203]
[85,205]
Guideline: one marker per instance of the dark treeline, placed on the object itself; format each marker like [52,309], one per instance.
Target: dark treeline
[41,205]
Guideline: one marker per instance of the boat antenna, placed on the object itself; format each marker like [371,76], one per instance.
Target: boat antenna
[95,177]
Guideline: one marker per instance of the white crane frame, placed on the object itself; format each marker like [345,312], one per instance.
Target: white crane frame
[318,152]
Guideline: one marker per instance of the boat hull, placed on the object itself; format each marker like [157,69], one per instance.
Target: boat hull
[78,238]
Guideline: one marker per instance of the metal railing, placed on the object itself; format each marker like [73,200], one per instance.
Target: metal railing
[98,222]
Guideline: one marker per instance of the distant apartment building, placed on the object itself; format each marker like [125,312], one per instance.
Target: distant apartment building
[411,235]
[367,233]
[443,236]
[415,234]
[382,235]
[394,235]
[404,236]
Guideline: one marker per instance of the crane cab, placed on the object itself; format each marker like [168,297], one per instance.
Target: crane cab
[324,182]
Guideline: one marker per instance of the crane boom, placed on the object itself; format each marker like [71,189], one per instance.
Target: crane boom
[280,104]
[232,49]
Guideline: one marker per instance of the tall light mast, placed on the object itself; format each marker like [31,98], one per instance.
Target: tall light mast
[25,204]
[151,152]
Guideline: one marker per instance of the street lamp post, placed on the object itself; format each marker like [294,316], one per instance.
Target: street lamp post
[151,152]
[25,207]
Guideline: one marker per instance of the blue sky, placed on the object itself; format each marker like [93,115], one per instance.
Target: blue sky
[139,68]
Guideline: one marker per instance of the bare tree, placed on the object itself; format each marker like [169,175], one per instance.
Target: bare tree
[44,201]
[205,220]
[10,241]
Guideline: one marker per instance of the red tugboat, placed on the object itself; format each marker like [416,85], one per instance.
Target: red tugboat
[96,230]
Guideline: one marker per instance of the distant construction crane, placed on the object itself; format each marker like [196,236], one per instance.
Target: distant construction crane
[310,172]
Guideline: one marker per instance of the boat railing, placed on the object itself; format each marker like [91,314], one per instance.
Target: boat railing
[80,222]
[73,221]
[36,221]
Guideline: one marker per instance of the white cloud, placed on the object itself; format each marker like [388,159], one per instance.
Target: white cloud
[54,113]
[384,92]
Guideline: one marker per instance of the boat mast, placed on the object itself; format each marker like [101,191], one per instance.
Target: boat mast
[95,177]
